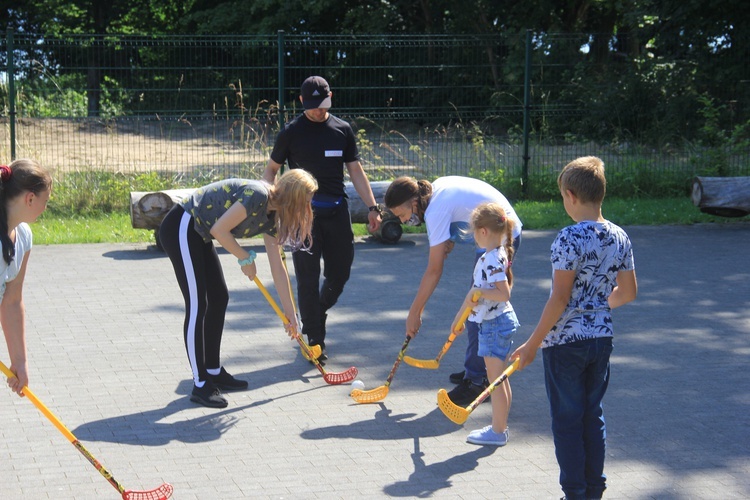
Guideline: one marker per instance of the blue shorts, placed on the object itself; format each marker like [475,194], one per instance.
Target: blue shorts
[496,335]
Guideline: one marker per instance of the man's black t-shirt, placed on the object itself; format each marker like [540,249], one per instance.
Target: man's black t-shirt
[320,148]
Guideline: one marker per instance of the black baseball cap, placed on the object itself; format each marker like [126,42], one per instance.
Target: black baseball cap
[316,93]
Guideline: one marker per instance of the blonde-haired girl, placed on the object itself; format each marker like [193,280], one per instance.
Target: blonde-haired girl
[225,211]
[493,278]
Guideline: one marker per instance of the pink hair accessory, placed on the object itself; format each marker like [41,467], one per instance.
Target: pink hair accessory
[5,173]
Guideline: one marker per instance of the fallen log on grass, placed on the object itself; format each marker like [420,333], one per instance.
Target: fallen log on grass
[148,208]
[722,196]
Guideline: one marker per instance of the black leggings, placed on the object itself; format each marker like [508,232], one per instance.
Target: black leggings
[201,279]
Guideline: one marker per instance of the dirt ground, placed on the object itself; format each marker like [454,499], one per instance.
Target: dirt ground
[136,145]
[203,145]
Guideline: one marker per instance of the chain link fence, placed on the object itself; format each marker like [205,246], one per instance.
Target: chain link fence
[175,110]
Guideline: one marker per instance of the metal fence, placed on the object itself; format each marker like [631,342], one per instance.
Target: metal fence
[505,108]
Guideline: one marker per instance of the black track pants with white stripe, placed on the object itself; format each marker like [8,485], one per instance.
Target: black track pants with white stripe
[201,279]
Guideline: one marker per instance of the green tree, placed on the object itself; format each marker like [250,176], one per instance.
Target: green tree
[639,66]
[95,17]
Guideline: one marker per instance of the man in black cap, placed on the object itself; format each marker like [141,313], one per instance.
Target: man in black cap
[323,145]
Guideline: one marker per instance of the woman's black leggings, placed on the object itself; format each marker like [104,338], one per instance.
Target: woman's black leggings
[201,279]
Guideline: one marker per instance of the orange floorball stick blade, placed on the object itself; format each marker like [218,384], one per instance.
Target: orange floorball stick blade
[434,364]
[426,364]
[454,412]
[315,350]
[379,393]
[371,396]
[459,415]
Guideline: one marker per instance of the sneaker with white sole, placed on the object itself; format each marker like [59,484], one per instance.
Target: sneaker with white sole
[209,395]
[486,436]
[227,382]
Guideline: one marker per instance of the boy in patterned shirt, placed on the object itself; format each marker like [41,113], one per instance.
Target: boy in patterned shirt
[593,272]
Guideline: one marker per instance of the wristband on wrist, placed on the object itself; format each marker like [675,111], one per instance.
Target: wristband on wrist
[249,260]
[376,208]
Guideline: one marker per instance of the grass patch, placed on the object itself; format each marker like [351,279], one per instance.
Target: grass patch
[53,229]
[624,212]
[115,227]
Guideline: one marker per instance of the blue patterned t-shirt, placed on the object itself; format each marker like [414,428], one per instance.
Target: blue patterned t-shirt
[597,251]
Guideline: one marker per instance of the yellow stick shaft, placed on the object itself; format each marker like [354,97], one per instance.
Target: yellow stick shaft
[467,310]
[270,300]
[41,406]
[305,348]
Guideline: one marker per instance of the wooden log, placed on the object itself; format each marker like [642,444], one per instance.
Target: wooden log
[722,196]
[148,208]
[357,208]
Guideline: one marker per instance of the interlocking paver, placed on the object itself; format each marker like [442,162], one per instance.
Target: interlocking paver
[105,343]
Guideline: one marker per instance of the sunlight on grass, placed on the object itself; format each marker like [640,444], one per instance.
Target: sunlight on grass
[624,212]
[116,227]
[100,228]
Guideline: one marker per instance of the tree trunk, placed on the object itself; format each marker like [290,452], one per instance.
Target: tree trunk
[722,196]
[358,209]
[147,209]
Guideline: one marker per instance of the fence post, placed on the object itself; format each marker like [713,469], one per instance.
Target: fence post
[11,94]
[282,104]
[526,117]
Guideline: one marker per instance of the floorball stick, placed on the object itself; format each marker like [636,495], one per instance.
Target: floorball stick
[458,414]
[316,350]
[163,492]
[432,364]
[332,378]
[379,393]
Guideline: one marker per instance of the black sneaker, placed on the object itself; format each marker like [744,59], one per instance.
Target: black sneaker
[208,395]
[466,392]
[457,378]
[226,382]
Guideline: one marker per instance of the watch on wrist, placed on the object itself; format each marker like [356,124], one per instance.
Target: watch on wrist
[376,208]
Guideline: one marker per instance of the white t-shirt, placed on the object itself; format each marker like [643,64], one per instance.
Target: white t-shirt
[8,272]
[453,198]
[490,269]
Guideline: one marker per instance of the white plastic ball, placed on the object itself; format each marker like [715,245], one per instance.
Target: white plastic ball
[358,384]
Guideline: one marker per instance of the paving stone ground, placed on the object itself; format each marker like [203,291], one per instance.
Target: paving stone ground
[107,356]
